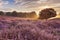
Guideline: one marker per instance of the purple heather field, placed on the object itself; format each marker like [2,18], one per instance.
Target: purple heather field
[20,29]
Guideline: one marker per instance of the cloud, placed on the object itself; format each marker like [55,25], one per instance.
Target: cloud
[2,3]
[23,2]
[34,3]
[28,4]
[54,1]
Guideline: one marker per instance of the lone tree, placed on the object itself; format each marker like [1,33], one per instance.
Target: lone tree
[47,13]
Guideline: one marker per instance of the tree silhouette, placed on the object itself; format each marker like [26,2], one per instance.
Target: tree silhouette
[33,14]
[8,14]
[47,13]
[1,13]
[14,13]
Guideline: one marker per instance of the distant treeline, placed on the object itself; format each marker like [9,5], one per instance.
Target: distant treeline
[43,14]
[19,14]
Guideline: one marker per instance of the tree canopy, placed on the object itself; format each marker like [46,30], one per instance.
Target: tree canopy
[47,13]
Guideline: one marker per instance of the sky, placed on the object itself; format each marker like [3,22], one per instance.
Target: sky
[28,5]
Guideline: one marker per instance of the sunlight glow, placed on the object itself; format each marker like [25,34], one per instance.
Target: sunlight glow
[46,7]
[37,13]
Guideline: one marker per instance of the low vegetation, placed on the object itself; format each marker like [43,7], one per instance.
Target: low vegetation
[12,28]
[29,29]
